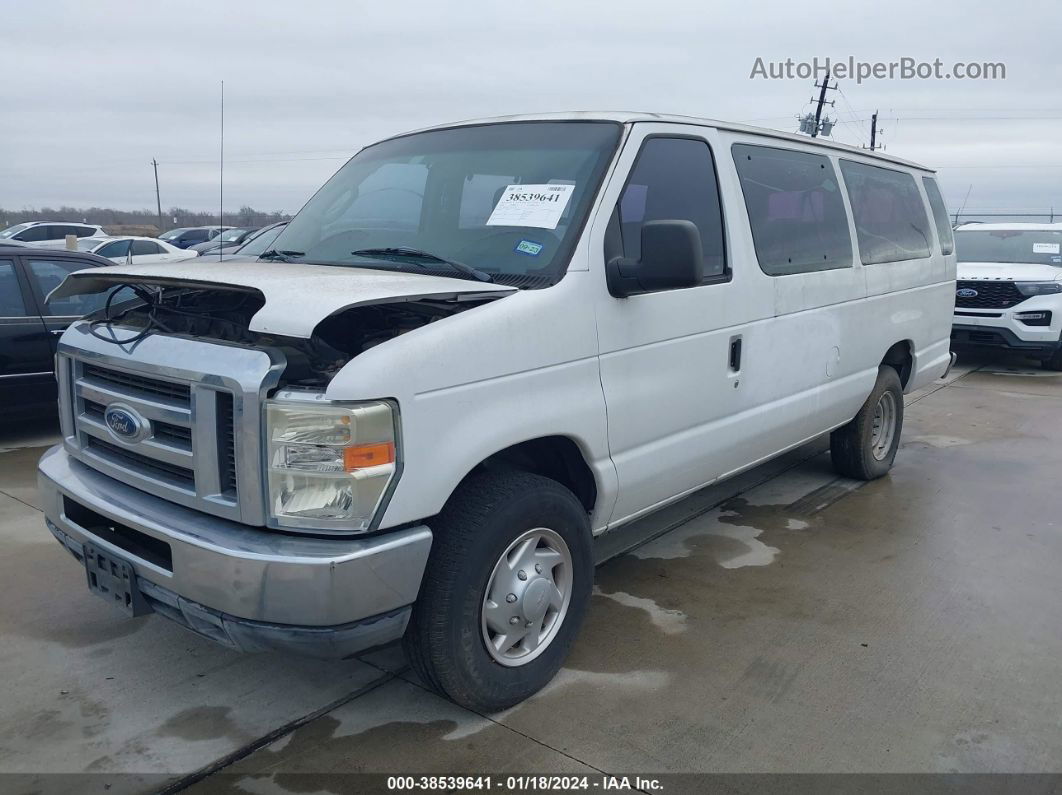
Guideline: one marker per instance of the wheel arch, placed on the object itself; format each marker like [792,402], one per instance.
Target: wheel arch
[557,457]
[900,356]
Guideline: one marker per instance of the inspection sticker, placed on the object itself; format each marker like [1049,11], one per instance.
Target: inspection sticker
[1046,248]
[539,206]
[529,247]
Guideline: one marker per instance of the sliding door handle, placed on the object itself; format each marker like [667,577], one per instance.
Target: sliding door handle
[735,354]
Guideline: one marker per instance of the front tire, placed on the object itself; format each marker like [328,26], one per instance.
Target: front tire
[864,449]
[508,545]
[1055,362]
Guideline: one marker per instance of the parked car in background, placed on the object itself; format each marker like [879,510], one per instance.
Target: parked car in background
[230,238]
[49,232]
[191,236]
[412,420]
[1009,289]
[30,323]
[145,250]
[255,246]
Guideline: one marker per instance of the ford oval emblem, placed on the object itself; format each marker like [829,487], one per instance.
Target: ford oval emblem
[966,292]
[124,423]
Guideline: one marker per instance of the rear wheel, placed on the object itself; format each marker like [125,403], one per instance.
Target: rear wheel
[506,589]
[865,448]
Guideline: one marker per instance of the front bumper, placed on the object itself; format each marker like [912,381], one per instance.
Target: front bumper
[1001,337]
[248,588]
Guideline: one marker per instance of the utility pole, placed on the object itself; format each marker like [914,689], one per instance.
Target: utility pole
[873,130]
[822,101]
[158,198]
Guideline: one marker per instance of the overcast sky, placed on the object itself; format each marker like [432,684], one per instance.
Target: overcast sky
[93,91]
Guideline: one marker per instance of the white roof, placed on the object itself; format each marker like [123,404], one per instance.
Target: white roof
[628,117]
[1010,227]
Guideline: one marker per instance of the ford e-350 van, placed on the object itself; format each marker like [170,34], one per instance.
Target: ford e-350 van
[478,347]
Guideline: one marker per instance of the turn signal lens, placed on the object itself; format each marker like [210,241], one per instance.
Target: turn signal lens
[368,455]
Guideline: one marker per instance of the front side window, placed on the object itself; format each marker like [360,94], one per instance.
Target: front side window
[33,234]
[119,248]
[673,179]
[11,304]
[940,215]
[410,202]
[795,209]
[890,217]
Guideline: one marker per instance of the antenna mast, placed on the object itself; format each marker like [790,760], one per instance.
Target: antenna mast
[221,175]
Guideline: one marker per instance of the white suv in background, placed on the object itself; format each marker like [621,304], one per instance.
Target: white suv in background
[1009,289]
[48,232]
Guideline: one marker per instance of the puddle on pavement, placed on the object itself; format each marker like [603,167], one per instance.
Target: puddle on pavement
[201,723]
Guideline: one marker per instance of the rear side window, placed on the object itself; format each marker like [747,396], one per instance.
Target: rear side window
[795,210]
[890,217]
[940,215]
[673,179]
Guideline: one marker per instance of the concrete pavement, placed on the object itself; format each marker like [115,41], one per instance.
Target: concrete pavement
[789,621]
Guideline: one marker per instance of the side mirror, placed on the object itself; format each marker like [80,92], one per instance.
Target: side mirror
[671,259]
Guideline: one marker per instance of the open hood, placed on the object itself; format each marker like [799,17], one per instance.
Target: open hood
[297,296]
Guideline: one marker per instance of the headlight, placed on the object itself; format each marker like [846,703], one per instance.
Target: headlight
[1038,288]
[329,465]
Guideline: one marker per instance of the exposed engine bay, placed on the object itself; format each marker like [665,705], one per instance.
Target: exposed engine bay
[224,314]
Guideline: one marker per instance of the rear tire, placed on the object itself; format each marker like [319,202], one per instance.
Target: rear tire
[864,449]
[508,545]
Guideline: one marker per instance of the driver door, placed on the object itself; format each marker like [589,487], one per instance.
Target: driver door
[675,364]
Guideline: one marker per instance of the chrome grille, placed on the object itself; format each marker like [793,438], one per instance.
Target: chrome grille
[182,477]
[137,384]
[198,442]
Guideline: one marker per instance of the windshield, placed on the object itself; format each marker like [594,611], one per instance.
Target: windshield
[172,234]
[508,199]
[231,235]
[11,231]
[1009,246]
[260,242]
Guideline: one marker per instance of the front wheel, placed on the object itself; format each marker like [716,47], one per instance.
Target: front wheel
[864,449]
[505,592]
[1054,362]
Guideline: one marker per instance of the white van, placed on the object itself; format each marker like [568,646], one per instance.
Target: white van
[1009,292]
[476,348]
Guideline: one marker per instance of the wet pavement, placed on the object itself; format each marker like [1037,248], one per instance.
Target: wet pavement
[787,621]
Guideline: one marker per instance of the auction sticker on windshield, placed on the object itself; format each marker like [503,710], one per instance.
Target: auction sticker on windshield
[539,206]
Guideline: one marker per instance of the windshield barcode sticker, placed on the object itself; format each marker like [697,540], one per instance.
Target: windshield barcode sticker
[1046,248]
[539,206]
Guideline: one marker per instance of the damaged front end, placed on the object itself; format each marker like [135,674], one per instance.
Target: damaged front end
[317,317]
[224,316]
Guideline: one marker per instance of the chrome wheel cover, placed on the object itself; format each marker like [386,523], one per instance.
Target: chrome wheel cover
[527,597]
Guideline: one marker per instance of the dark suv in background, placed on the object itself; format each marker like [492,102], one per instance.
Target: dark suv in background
[30,324]
[186,237]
